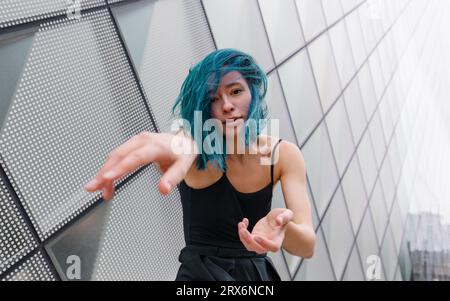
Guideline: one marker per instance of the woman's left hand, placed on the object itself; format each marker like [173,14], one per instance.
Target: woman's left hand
[268,233]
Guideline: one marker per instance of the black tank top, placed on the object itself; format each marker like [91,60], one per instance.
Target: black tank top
[211,214]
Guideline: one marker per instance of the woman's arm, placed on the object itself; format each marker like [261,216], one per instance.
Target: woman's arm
[290,227]
[299,236]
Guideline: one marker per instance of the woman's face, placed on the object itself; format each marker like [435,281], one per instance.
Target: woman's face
[231,102]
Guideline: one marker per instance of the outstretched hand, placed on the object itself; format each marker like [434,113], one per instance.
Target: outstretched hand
[268,233]
[172,154]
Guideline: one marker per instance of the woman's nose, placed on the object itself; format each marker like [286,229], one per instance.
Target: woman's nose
[227,105]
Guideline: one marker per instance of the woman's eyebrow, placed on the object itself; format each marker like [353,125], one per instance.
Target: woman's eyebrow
[228,85]
[233,83]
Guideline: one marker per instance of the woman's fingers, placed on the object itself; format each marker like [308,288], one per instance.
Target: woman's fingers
[284,218]
[247,238]
[116,156]
[108,190]
[174,174]
[279,217]
[267,244]
[132,161]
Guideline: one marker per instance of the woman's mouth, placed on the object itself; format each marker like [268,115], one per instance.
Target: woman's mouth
[233,122]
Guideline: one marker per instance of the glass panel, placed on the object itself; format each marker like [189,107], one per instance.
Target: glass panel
[243,20]
[366,21]
[338,233]
[280,264]
[379,211]
[278,110]
[320,168]
[324,70]
[301,95]
[292,262]
[386,57]
[163,63]
[388,183]
[396,98]
[385,116]
[355,109]
[396,223]
[367,90]
[332,10]
[355,195]
[354,272]
[367,159]
[311,17]
[315,218]
[318,267]
[340,134]
[36,268]
[389,255]
[283,27]
[348,5]
[78,90]
[375,14]
[367,241]
[377,75]
[396,161]
[136,236]
[376,133]
[342,52]
[403,198]
[356,38]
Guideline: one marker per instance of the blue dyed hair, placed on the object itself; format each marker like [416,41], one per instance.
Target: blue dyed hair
[195,95]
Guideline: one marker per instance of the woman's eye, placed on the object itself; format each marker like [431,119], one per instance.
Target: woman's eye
[214,99]
[236,92]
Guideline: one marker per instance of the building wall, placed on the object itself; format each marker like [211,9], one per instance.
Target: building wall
[346,81]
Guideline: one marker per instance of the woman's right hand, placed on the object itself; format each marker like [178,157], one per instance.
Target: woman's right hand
[174,155]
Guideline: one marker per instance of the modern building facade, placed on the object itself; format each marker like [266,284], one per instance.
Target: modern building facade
[359,85]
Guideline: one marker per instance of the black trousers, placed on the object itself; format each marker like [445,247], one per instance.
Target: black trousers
[209,263]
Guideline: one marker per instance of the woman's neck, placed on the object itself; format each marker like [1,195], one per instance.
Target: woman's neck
[237,151]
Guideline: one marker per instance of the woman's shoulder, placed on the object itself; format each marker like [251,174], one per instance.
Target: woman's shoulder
[286,152]
[272,141]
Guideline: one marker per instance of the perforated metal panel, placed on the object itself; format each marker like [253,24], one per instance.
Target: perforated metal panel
[13,12]
[165,39]
[115,1]
[35,268]
[136,236]
[76,101]
[16,239]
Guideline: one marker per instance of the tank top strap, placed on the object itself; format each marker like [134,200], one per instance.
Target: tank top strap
[271,161]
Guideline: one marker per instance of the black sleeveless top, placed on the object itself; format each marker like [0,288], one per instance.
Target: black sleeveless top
[211,214]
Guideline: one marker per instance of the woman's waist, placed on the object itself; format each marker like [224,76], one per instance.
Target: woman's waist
[218,251]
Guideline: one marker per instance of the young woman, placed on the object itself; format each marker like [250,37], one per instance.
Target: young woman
[225,181]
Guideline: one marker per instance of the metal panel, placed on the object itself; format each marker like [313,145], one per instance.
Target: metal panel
[75,102]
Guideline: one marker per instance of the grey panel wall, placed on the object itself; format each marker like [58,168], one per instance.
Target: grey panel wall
[347,79]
